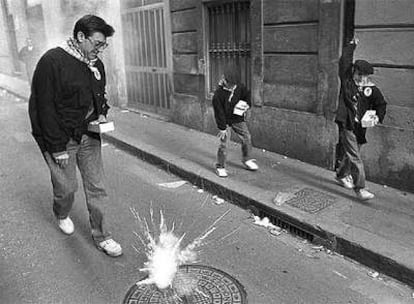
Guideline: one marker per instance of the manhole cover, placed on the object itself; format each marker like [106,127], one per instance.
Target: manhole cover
[311,200]
[213,287]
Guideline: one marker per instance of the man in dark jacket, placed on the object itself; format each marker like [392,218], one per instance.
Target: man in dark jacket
[231,100]
[357,95]
[68,92]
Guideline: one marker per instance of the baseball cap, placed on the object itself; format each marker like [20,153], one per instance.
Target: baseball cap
[364,67]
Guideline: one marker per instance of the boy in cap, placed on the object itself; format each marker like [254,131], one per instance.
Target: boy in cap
[231,101]
[357,95]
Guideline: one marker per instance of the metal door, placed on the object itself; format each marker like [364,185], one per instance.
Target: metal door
[148,62]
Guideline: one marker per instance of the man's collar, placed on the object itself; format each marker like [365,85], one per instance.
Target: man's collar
[230,89]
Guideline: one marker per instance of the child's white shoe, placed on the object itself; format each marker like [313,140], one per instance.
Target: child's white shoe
[364,194]
[346,182]
[221,172]
[251,164]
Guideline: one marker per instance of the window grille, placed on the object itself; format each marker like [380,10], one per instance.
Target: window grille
[146,57]
[125,4]
[229,40]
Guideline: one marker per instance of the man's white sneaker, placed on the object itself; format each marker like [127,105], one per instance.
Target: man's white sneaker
[66,225]
[346,182]
[110,247]
[251,164]
[221,172]
[364,195]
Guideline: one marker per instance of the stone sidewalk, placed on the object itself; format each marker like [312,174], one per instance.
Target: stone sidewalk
[378,233]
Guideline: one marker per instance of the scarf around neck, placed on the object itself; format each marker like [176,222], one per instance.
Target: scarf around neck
[72,48]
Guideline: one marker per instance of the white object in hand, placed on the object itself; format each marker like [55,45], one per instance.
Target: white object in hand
[101,127]
[240,108]
[62,157]
[369,119]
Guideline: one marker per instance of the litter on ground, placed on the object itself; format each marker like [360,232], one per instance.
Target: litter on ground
[172,185]
[318,248]
[264,222]
[373,274]
[283,197]
[339,274]
[218,200]
[276,231]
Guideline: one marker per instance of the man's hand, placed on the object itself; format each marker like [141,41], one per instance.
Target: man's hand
[222,134]
[61,158]
[245,106]
[376,120]
[101,118]
[354,41]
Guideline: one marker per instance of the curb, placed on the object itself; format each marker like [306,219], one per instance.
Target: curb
[338,244]
[17,94]
[317,235]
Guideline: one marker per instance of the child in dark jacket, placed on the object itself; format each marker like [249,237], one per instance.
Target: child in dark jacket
[231,101]
[357,95]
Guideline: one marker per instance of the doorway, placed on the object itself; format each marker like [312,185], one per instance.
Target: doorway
[148,63]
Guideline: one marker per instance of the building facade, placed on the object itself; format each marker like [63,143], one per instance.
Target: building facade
[294,47]
[386,32]
[167,55]
[13,34]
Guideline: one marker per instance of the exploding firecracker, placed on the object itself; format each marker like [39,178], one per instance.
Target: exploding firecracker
[165,254]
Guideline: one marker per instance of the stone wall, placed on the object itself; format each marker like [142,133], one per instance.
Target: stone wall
[385,31]
[294,55]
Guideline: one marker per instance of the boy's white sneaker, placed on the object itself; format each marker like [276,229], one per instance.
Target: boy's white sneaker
[66,225]
[346,182]
[364,195]
[110,247]
[221,172]
[251,164]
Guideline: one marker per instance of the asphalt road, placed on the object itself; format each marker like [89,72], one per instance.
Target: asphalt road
[38,264]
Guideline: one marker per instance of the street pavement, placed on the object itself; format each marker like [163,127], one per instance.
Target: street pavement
[39,264]
[378,233]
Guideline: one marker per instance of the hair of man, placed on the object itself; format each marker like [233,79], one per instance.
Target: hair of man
[90,24]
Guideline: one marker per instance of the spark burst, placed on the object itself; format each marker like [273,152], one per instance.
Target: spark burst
[165,254]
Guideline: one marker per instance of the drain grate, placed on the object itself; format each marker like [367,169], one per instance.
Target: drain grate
[291,228]
[212,286]
[311,200]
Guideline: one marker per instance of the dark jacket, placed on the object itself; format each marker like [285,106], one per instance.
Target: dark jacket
[223,107]
[354,101]
[63,90]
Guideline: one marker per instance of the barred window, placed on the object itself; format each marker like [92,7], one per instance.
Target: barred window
[228,40]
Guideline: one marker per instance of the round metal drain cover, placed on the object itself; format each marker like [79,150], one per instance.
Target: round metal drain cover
[212,286]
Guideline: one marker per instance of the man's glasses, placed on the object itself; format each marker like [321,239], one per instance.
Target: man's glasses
[99,45]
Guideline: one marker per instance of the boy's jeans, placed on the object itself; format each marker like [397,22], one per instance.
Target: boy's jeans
[243,133]
[87,157]
[351,162]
